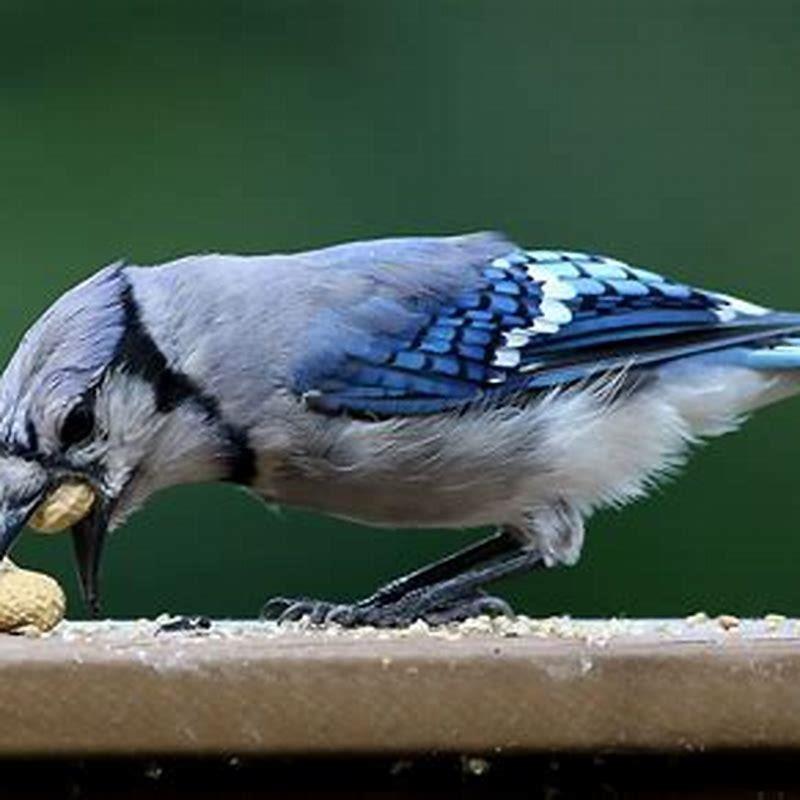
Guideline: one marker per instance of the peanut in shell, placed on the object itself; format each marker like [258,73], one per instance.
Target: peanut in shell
[29,599]
[63,507]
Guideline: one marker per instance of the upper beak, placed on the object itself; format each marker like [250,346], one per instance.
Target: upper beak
[14,518]
[88,539]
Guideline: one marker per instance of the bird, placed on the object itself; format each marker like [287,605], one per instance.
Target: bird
[454,382]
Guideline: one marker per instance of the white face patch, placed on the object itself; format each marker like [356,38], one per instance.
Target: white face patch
[65,506]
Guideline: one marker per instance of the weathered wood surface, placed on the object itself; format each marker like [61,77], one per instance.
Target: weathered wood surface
[254,689]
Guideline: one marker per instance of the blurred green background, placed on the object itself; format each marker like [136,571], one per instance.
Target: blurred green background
[665,133]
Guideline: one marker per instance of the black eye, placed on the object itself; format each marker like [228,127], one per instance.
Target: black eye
[78,425]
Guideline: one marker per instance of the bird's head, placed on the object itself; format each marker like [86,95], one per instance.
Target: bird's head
[87,429]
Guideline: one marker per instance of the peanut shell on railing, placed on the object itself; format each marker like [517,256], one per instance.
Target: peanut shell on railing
[29,598]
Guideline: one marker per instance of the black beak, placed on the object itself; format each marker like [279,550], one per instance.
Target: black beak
[14,520]
[88,538]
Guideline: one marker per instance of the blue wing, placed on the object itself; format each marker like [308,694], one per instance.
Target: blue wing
[529,321]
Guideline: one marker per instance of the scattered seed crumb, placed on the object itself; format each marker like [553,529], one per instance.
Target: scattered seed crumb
[774,621]
[594,634]
[420,626]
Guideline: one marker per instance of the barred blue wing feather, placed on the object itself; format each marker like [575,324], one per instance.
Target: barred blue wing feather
[530,320]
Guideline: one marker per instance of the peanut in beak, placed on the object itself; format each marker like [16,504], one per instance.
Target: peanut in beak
[66,505]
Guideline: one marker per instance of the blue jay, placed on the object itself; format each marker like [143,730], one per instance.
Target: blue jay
[411,382]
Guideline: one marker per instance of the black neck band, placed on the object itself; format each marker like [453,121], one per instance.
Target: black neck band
[138,354]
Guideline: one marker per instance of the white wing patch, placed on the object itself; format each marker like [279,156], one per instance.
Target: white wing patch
[562,275]
[736,307]
[554,313]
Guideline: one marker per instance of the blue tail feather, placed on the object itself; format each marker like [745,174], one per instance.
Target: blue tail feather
[782,355]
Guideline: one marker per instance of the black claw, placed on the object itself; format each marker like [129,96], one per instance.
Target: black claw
[289,609]
[495,607]
[319,612]
[342,614]
[275,606]
[296,611]
[470,607]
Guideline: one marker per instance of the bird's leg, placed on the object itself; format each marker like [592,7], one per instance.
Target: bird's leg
[500,543]
[447,590]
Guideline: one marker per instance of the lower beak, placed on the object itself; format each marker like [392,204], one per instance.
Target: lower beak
[88,539]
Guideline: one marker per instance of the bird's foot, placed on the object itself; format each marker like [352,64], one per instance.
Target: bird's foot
[399,613]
